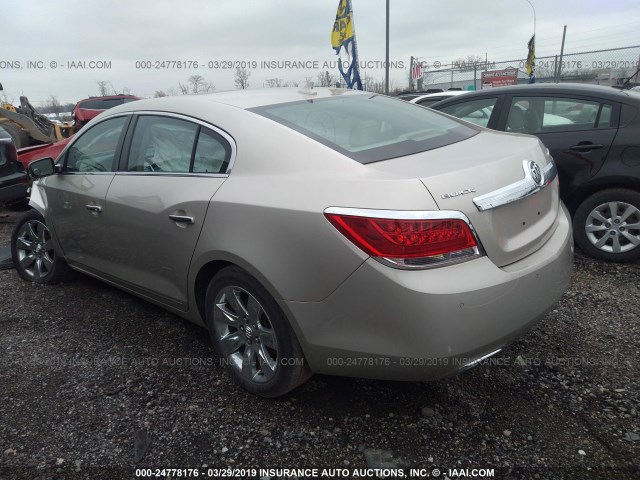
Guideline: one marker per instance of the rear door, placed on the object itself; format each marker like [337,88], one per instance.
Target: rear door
[577,130]
[157,202]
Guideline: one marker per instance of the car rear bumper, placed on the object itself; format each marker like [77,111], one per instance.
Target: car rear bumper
[395,324]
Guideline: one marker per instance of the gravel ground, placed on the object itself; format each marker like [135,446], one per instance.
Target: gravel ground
[95,383]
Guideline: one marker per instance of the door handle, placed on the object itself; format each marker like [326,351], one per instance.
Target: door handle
[93,208]
[182,219]
[585,147]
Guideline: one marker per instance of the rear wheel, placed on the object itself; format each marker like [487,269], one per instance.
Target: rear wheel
[607,225]
[20,137]
[252,336]
[32,251]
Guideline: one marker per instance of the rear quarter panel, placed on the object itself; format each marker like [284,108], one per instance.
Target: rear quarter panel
[268,216]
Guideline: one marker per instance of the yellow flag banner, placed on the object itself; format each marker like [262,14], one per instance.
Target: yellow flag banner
[530,65]
[343,25]
[343,40]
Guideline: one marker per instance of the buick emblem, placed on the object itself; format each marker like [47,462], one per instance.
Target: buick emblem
[536,173]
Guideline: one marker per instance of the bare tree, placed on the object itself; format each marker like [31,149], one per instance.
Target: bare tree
[103,88]
[241,78]
[200,85]
[326,79]
[274,82]
[159,93]
[196,82]
[291,83]
[54,105]
[184,89]
[378,86]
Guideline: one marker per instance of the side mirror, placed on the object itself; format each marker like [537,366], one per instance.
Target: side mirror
[8,152]
[42,168]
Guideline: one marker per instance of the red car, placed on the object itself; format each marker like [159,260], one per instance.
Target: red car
[90,107]
[84,111]
[29,154]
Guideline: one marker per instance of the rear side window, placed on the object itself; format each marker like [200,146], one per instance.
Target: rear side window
[212,153]
[368,128]
[162,144]
[93,105]
[555,114]
[474,111]
[172,145]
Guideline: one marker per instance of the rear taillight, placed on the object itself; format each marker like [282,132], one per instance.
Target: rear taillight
[408,239]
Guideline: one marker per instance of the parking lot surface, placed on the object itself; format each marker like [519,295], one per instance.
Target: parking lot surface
[95,383]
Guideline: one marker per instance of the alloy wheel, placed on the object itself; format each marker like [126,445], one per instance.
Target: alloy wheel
[614,227]
[245,334]
[34,246]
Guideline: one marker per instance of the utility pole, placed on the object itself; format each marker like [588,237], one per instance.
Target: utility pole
[411,74]
[564,34]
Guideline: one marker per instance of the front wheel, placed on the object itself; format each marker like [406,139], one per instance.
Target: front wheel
[32,251]
[607,225]
[252,336]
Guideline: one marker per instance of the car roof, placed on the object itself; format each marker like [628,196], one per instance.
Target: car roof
[556,88]
[245,99]
[105,97]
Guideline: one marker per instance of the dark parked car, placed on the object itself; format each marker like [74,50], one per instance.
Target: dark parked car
[593,133]
[89,108]
[14,179]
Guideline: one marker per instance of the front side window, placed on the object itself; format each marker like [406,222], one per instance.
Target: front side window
[95,150]
[475,111]
[368,128]
[556,114]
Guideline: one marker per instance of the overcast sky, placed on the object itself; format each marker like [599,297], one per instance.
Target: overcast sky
[122,32]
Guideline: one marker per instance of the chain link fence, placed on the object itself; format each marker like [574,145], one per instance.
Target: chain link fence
[599,67]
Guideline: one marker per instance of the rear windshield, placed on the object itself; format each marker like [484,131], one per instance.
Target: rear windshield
[369,128]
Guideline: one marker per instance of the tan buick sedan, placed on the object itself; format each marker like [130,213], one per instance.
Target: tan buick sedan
[325,231]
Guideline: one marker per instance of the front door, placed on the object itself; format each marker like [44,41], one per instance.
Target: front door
[76,196]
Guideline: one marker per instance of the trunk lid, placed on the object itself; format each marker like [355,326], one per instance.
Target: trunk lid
[495,165]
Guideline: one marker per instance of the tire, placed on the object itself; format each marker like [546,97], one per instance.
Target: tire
[32,251]
[607,225]
[20,137]
[252,336]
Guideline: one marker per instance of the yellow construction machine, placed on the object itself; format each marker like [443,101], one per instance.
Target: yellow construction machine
[28,127]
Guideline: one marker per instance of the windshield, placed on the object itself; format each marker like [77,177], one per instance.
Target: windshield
[369,128]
